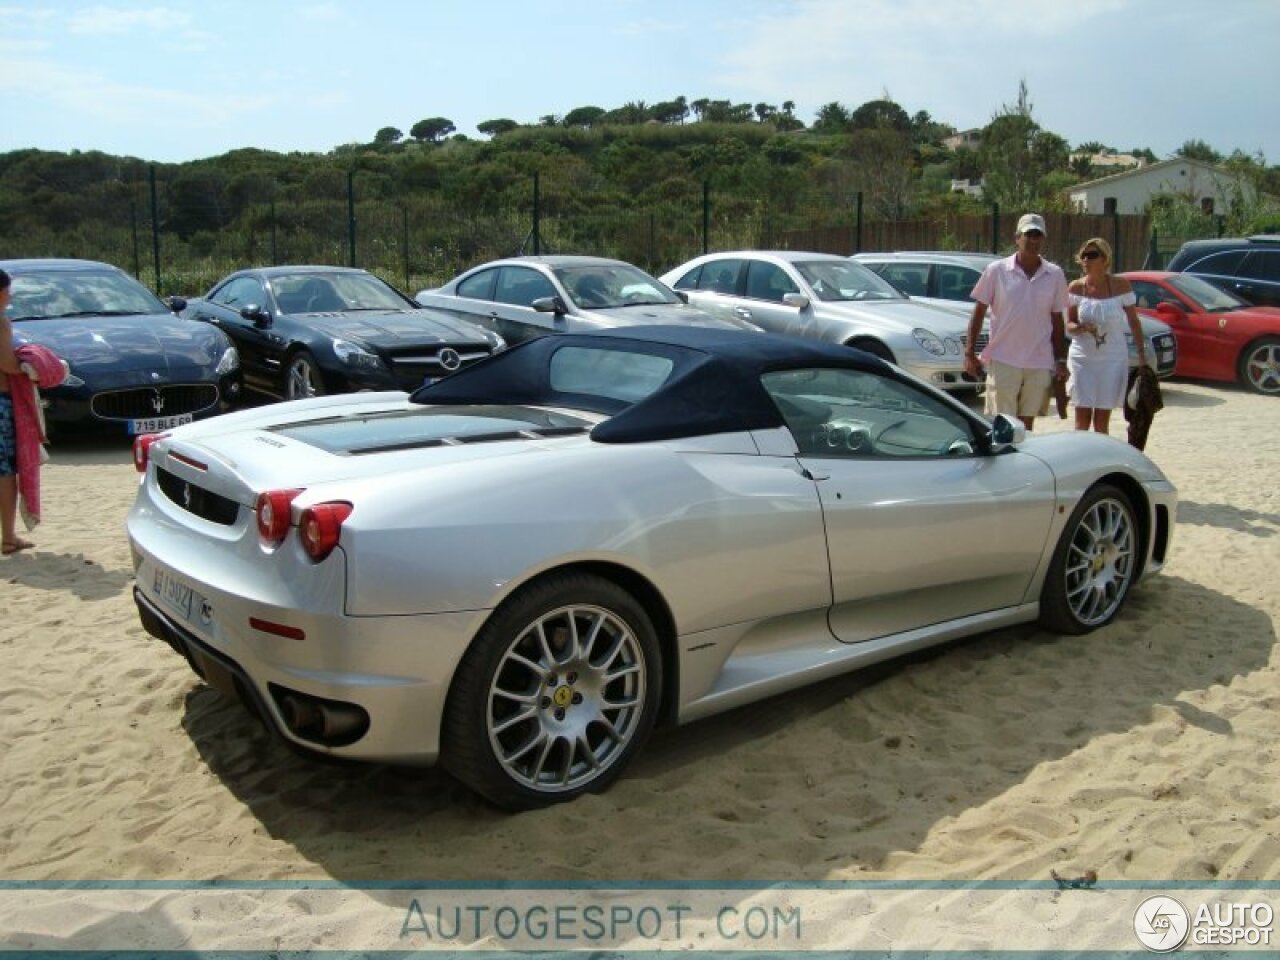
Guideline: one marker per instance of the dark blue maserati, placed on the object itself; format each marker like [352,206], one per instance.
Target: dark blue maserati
[134,365]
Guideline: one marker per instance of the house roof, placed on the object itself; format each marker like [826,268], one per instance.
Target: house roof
[1152,168]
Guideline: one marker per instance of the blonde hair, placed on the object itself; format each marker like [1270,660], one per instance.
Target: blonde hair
[1100,244]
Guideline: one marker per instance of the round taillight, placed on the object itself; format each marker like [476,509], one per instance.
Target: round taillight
[142,449]
[320,526]
[272,509]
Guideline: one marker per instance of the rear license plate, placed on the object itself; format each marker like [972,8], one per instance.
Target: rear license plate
[172,592]
[156,424]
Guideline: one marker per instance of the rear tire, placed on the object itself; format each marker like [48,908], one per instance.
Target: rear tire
[1094,564]
[559,690]
[1259,366]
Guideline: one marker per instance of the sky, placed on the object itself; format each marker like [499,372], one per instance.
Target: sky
[169,81]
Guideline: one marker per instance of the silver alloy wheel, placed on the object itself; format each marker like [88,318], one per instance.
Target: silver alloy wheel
[301,379]
[1260,367]
[567,698]
[1100,561]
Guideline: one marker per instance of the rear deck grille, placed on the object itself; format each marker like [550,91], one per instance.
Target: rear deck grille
[161,401]
[195,499]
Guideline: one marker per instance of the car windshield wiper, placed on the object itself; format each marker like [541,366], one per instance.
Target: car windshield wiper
[644,303]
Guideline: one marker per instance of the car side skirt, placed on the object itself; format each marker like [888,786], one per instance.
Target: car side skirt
[711,683]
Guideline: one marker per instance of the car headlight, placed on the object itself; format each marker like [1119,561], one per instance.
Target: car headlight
[229,363]
[929,342]
[71,381]
[356,356]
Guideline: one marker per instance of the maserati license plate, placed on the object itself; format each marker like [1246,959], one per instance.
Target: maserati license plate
[156,424]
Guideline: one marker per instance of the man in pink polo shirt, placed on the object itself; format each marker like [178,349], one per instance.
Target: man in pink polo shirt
[1027,296]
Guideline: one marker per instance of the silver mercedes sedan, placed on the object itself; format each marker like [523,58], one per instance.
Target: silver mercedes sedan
[519,570]
[524,297]
[832,299]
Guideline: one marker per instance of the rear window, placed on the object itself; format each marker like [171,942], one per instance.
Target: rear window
[614,374]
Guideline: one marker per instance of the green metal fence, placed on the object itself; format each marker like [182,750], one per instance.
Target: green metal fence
[180,241]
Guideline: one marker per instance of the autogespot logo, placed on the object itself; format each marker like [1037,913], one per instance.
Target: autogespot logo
[1161,924]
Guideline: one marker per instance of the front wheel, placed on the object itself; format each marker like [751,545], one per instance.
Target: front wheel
[1094,565]
[302,377]
[556,694]
[1259,367]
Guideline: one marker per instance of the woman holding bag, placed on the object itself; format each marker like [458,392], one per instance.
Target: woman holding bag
[1102,309]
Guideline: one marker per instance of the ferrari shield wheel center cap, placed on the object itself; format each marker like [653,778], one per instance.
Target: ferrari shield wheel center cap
[562,697]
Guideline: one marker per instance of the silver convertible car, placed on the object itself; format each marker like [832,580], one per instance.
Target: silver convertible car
[518,570]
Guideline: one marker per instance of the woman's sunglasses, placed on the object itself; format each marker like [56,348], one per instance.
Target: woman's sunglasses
[1091,255]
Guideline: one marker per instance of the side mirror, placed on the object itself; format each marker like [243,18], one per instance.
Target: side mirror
[797,300]
[549,305]
[1170,313]
[1006,432]
[175,303]
[684,297]
[257,315]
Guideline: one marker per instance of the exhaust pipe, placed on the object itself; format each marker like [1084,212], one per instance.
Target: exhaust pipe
[327,722]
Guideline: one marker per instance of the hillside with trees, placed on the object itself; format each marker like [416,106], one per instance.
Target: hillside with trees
[643,182]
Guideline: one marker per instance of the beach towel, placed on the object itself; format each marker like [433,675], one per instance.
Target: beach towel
[43,369]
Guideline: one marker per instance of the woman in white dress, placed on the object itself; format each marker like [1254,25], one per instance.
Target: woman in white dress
[1102,309]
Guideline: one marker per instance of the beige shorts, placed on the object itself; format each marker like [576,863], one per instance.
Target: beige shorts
[1017,391]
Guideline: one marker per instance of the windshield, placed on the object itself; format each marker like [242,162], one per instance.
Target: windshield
[601,287]
[334,292]
[41,296]
[1210,298]
[834,280]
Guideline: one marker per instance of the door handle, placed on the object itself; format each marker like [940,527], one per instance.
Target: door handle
[742,312]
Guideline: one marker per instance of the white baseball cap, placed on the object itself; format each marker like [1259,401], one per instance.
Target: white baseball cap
[1031,221]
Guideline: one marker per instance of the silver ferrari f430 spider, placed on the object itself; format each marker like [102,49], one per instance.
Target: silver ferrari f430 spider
[517,571]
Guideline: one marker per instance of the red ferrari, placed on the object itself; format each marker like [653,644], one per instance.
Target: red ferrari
[1220,336]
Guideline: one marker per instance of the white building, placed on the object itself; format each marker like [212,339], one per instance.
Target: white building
[1212,188]
[972,188]
[969,139]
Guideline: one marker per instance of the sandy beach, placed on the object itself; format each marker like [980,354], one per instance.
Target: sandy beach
[1144,751]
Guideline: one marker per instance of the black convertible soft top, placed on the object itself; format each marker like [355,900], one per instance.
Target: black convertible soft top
[714,385]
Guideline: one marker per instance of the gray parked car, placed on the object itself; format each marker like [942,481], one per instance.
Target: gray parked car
[526,297]
[947,277]
[831,298]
